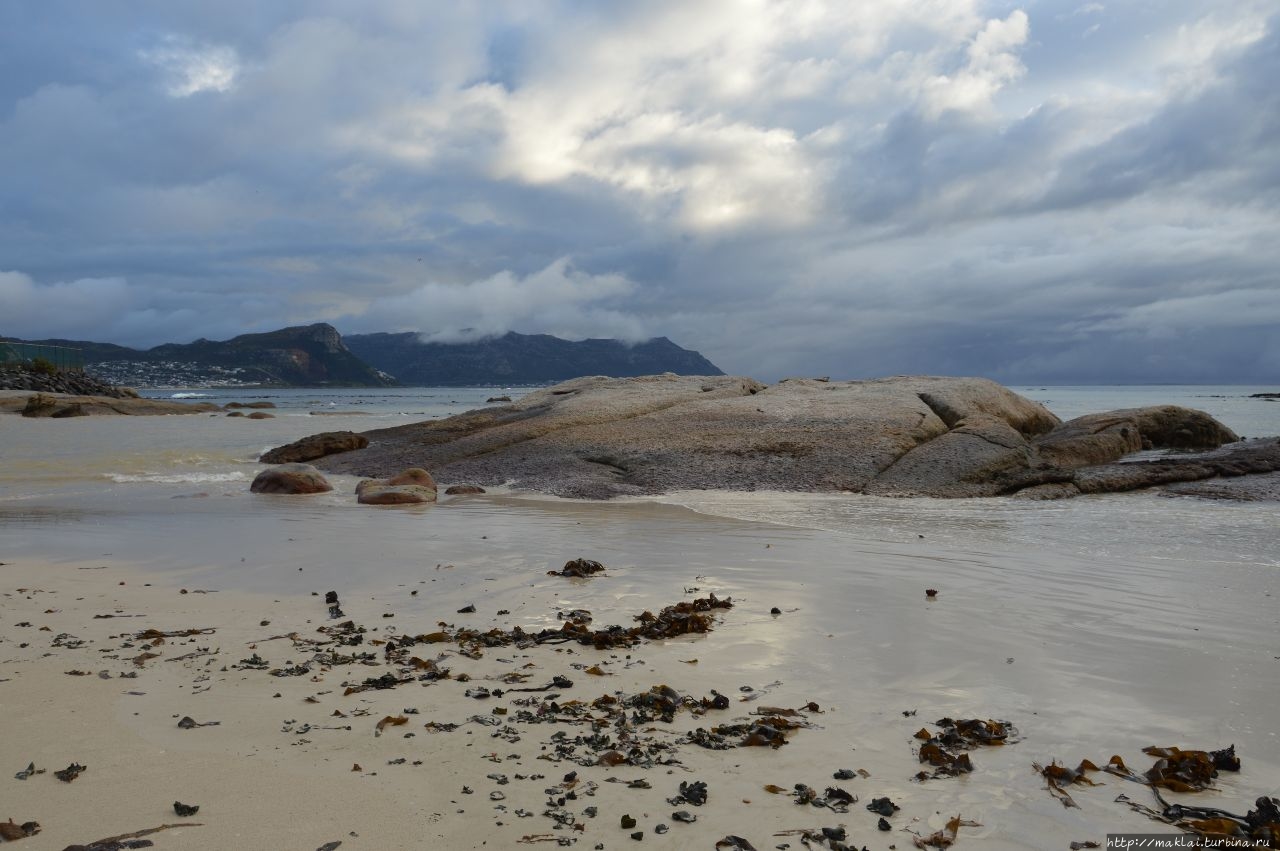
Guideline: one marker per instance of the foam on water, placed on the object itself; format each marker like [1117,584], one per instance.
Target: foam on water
[176,478]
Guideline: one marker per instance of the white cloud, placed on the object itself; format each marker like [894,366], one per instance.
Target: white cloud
[190,68]
[992,63]
[558,299]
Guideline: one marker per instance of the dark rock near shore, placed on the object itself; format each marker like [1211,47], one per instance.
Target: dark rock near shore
[459,490]
[60,405]
[73,382]
[903,436]
[410,487]
[290,479]
[1255,488]
[315,446]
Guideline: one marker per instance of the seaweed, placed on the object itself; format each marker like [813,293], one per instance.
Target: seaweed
[945,837]
[390,721]
[1058,777]
[962,735]
[734,843]
[71,772]
[159,635]
[1261,824]
[127,840]
[578,568]
[767,732]
[188,723]
[12,832]
[29,771]
[883,807]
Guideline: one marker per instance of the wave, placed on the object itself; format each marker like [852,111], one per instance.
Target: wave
[176,478]
[190,395]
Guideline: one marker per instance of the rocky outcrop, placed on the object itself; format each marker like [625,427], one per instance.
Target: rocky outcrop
[1101,438]
[600,437]
[71,382]
[1257,488]
[1252,457]
[315,446]
[904,436]
[410,487]
[290,479]
[58,405]
[982,456]
[463,490]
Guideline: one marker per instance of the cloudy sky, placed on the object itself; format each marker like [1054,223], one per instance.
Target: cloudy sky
[1035,191]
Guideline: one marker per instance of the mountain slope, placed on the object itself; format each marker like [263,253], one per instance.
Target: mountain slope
[302,356]
[521,359]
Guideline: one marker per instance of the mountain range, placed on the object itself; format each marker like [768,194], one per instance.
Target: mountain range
[318,356]
[521,359]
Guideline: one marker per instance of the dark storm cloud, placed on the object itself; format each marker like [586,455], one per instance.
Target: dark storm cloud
[1065,192]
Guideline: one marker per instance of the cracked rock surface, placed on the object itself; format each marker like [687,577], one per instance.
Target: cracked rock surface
[599,437]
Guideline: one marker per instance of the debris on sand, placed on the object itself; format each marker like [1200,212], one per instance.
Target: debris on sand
[578,568]
[945,837]
[766,732]
[1181,771]
[12,832]
[938,749]
[1059,777]
[29,771]
[71,772]
[185,810]
[128,840]
[734,843]
[189,723]
[883,807]
[684,618]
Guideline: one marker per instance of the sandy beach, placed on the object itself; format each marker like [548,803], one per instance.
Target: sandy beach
[1086,657]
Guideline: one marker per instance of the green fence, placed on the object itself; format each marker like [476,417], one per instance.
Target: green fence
[63,357]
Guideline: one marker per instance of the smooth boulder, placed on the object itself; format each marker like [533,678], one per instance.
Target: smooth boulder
[315,446]
[460,490]
[291,479]
[409,487]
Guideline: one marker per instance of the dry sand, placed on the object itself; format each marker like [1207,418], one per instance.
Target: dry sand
[264,781]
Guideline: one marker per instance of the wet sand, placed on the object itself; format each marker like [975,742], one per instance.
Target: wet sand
[1087,656]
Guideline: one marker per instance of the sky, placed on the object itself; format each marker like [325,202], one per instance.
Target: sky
[1037,191]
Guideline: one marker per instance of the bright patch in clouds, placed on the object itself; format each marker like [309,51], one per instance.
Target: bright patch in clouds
[190,68]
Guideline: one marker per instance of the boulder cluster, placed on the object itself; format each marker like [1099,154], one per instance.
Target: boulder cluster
[413,486]
[73,382]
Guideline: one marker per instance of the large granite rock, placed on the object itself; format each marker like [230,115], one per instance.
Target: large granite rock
[1101,438]
[315,446]
[290,479]
[903,436]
